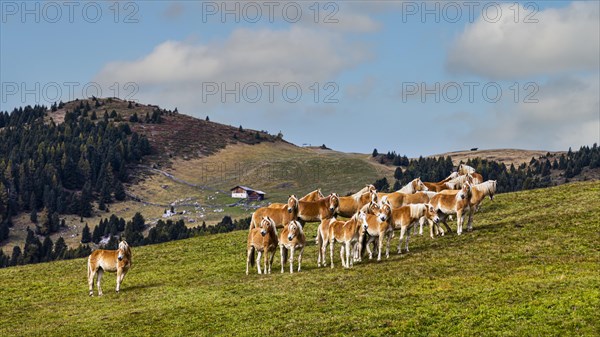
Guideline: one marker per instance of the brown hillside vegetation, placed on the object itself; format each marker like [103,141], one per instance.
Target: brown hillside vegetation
[506,156]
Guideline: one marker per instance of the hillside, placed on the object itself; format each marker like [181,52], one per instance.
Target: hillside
[530,267]
[506,156]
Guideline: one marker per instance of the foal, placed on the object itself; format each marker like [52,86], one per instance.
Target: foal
[292,238]
[102,260]
[347,233]
[263,240]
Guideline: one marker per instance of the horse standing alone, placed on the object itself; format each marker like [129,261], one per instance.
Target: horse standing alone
[102,260]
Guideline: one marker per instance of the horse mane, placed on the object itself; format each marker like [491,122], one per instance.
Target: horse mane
[408,188]
[486,187]
[416,210]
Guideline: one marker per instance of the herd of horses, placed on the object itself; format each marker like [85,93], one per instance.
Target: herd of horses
[369,218]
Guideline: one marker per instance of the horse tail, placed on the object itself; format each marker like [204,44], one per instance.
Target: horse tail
[284,256]
[89,267]
[363,244]
[252,256]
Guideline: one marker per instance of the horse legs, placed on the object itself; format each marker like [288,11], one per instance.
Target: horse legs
[300,258]
[402,232]
[369,247]
[258,256]
[292,260]
[342,255]
[380,245]
[120,276]
[331,252]
[99,273]
[470,223]
[407,238]
[91,276]
[459,222]
[387,249]
[348,252]
[281,248]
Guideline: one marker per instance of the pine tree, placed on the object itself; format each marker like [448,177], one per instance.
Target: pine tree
[86,236]
[375,153]
[16,257]
[60,248]
[46,251]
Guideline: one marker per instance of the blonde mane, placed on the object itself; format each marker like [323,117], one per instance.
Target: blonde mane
[416,210]
[486,187]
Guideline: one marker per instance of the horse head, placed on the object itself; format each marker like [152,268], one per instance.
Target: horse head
[419,186]
[123,250]
[292,204]
[385,210]
[362,217]
[431,214]
[265,224]
[294,229]
[334,203]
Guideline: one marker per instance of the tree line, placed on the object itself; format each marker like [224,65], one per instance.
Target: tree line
[537,174]
[48,169]
[106,235]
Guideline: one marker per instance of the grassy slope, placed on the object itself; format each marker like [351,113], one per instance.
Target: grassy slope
[531,267]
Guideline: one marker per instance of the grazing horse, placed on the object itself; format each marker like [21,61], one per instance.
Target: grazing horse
[437,187]
[379,228]
[406,216]
[452,202]
[315,211]
[102,260]
[291,238]
[280,215]
[345,232]
[478,193]
[351,204]
[262,240]
[313,196]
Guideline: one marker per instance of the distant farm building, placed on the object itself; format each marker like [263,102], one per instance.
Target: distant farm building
[243,192]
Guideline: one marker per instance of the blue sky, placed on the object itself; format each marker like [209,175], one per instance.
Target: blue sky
[383,75]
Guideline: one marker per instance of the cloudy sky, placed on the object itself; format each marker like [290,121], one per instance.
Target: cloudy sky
[415,77]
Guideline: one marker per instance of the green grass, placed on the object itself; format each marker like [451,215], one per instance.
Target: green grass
[530,268]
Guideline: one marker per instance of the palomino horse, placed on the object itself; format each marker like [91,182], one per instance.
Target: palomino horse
[452,202]
[466,169]
[262,240]
[406,216]
[400,199]
[345,232]
[102,260]
[291,238]
[313,196]
[478,193]
[458,182]
[280,215]
[351,204]
[314,211]
[379,228]
[413,186]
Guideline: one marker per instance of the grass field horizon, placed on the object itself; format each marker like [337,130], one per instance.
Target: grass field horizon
[530,267]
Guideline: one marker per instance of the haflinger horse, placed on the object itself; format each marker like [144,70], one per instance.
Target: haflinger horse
[313,196]
[458,182]
[262,240]
[414,186]
[452,202]
[280,215]
[102,260]
[315,211]
[351,204]
[291,239]
[345,232]
[478,193]
[466,169]
[406,216]
[400,199]
[379,228]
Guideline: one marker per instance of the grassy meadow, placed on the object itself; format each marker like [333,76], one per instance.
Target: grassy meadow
[531,267]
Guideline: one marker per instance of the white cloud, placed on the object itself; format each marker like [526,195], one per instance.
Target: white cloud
[567,115]
[563,40]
